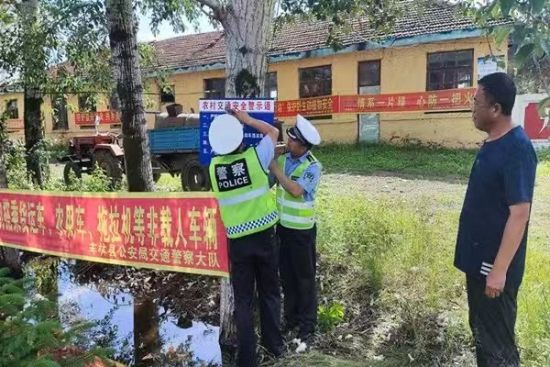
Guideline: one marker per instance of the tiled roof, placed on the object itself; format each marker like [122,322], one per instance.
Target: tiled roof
[209,48]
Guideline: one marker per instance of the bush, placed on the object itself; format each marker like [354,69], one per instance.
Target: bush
[329,316]
[31,335]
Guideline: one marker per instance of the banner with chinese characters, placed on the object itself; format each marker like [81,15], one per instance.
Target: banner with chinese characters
[261,109]
[316,106]
[178,232]
[103,117]
[452,99]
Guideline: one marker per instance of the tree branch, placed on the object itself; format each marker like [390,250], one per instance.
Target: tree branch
[212,4]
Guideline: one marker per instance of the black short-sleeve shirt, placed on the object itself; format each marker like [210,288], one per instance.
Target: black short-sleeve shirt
[503,174]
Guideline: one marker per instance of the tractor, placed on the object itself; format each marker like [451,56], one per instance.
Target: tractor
[103,149]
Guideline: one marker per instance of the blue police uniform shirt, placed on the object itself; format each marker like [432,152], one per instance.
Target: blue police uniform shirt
[310,177]
[266,152]
[503,174]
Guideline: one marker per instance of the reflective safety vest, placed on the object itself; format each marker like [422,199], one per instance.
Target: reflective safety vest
[241,185]
[295,212]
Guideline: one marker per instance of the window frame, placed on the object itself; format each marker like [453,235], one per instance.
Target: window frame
[379,62]
[55,121]
[93,108]
[208,93]
[9,111]
[171,96]
[471,69]
[267,88]
[301,70]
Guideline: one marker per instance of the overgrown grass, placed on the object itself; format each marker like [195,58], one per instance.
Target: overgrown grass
[390,262]
[437,163]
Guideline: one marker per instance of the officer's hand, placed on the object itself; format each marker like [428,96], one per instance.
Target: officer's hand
[495,283]
[242,116]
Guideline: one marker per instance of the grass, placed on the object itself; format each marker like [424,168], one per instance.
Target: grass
[419,161]
[387,257]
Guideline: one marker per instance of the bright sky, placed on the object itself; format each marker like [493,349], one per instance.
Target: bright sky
[165,30]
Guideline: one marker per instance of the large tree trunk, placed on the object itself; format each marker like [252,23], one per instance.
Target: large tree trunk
[33,70]
[126,73]
[9,257]
[248,26]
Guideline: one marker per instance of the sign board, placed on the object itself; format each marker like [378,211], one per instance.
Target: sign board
[489,65]
[261,109]
[180,232]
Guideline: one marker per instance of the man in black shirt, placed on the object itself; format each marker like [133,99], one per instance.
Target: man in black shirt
[492,235]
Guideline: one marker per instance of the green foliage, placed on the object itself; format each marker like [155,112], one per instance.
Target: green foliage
[529,29]
[439,163]
[30,334]
[330,316]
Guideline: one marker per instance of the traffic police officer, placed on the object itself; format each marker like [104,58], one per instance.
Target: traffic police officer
[298,173]
[240,182]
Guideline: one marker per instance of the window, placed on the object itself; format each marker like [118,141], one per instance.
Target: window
[271,85]
[167,95]
[368,75]
[214,88]
[316,81]
[449,70]
[60,117]
[86,103]
[11,109]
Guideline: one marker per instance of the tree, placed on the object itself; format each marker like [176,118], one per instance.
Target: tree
[528,30]
[9,257]
[126,73]
[36,35]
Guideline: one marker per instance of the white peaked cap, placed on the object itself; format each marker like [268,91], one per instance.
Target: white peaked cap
[225,134]
[308,131]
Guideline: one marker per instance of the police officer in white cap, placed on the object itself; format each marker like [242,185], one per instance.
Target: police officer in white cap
[240,181]
[298,173]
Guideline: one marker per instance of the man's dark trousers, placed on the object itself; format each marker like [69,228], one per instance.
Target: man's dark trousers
[492,321]
[298,269]
[254,262]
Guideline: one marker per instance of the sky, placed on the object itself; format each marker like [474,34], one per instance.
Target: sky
[165,30]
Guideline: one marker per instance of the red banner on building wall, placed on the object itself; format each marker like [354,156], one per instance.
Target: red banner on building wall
[455,99]
[88,118]
[177,232]
[452,99]
[317,106]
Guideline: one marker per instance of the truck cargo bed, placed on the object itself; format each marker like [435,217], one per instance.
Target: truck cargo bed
[174,140]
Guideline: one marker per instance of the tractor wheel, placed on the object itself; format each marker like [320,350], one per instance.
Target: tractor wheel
[111,166]
[156,177]
[71,167]
[194,177]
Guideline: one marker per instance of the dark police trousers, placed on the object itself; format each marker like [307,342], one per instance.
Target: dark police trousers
[254,262]
[492,321]
[297,268]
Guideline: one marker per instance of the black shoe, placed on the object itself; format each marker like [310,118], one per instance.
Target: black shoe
[289,327]
[306,336]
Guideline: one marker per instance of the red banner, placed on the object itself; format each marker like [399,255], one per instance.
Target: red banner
[176,232]
[88,118]
[308,106]
[452,99]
